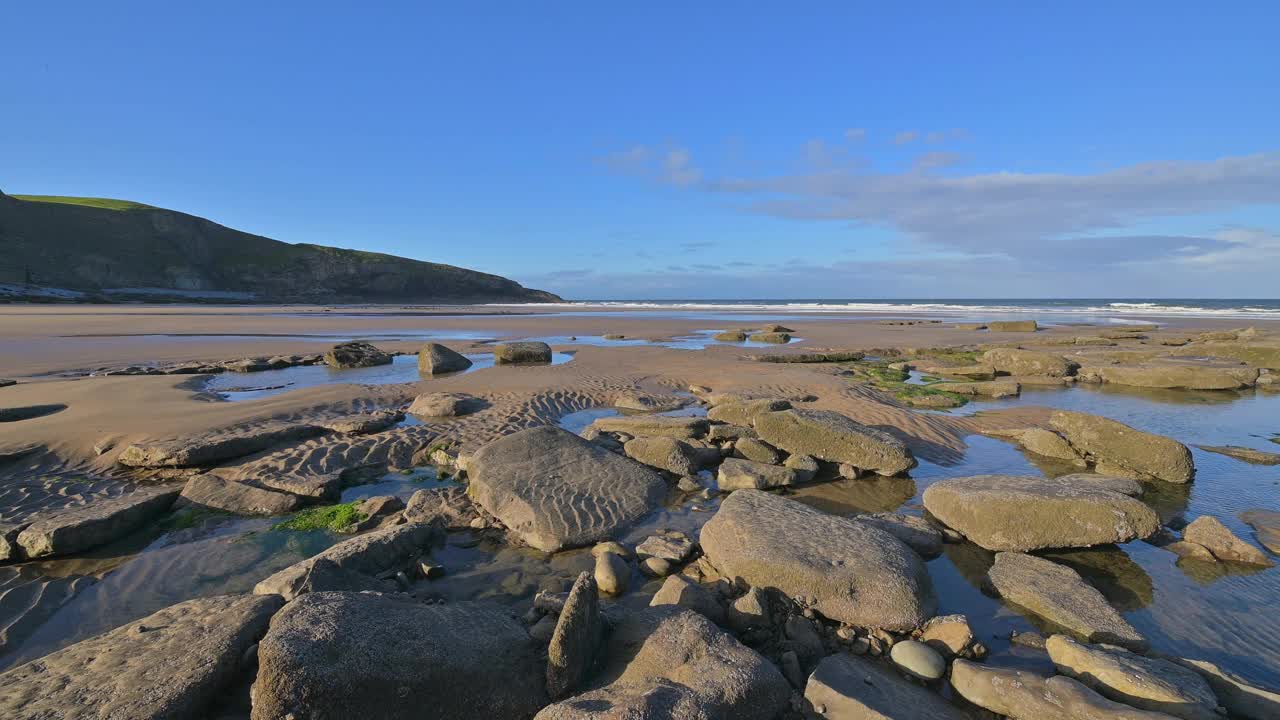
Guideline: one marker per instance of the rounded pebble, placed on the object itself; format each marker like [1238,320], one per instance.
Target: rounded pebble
[918,659]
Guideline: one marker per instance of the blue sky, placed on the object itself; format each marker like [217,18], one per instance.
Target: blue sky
[679,150]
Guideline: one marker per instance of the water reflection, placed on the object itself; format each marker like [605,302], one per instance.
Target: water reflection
[1108,568]
[865,495]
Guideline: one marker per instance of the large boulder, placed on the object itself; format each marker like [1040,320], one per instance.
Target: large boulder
[212,449]
[1058,596]
[1013,361]
[1023,695]
[848,687]
[555,490]
[436,359]
[213,493]
[172,664]
[372,553]
[356,355]
[681,428]
[833,437]
[81,527]
[667,663]
[1174,374]
[332,655]
[1118,449]
[575,644]
[1143,682]
[514,353]
[1009,512]
[665,453]
[853,572]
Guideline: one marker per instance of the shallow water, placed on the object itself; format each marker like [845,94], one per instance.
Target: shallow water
[698,340]
[403,369]
[576,422]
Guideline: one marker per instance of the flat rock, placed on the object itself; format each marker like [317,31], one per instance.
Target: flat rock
[555,490]
[322,486]
[363,423]
[513,353]
[991,389]
[1209,532]
[673,547]
[1239,697]
[743,411]
[356,355]
[448,507]
[214,493]
[916,532]
[857,574]
[1012,326]
[436,359]
[332,655]
[1124,448]
[739,474]
[950,635]
[665,453]
[442,405]
[681,428]
[1059,596]
[668,663]
[757,450]
[1124,486]
[79,528]
[1013,361]
[648,402]
[1141,682]
[1174,374]
[171,664]
[1266,526]
[830,436]
[1009,512]
[371,553]
[680,590]
[847,687]
[214,448]
[575,644]
[1023,695]
[1249,455]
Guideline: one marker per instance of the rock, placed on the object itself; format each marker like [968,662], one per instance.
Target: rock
[805,467]
[1058,595]
[1032,640]
[836,356]
[1174,374]
[436,359]
[668,663]
[744,411]
[749,611]
[81,527]
[645,402]
[555,490]
[213,449]
[324,486]
[976,371]
[1007,512]
[851,571]
[356,355]
[611,573]
[1141,682]
[1190,550]
[372,553]
[830,436]
[612,546]
[918,659]
[325,575]
[6,382]
[717,433]
[1208,531]
[776,329]
[1012,361]
[681,591]
[776,338]
[363,424]
[971,326]
[672,547]
[376,656]
[186,657]
[1045,443]
[381,506]
[575,644]
[789,661]
[844,687]
[442,405]
[739,474]
[1239,698]
[681,428]
[1012,326]
[656,567]
[757,451]
[1121,447]
[950,635]
[1266,525]
[916,532]
[665,453]
[447,507]
[1249,455]
[521,352]
[1124,486]
[1023,695]
[544,628]
[991,389]
[730,336]
[214,493]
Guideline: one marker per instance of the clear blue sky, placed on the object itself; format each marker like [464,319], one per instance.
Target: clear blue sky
[685,149]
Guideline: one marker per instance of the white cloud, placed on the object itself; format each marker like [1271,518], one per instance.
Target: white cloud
[855,134]
[905,137]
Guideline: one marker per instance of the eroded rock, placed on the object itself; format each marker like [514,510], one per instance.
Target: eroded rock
[214,448]
[1141,682]
[356,355]
[79,528]
[1210,533]
[833,437]
[436,359]
[1117,448]
[1023,695]
[214,493]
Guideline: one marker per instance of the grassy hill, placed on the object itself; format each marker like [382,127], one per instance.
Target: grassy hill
[96,245]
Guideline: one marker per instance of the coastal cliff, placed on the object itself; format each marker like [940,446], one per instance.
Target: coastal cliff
[77,248]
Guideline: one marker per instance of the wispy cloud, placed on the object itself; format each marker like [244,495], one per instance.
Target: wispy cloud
[904,137]
[855,134]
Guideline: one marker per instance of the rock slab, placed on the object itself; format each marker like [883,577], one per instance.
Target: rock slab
[830,436]
[212,492]
[371,553]
[1120,447]
[1023,695]
[214,448]
[80,528]
[848,687]
[1142,682]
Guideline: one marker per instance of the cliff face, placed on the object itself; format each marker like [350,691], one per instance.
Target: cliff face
[88,248]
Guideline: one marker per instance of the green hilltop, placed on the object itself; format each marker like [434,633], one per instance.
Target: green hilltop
[105,203]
